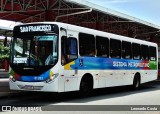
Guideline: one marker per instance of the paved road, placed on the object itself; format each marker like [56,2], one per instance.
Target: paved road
[149,94]
[4,87]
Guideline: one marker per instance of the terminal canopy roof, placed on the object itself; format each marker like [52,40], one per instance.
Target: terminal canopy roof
[78,12]
[5,31]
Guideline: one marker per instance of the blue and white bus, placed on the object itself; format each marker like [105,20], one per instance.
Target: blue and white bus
[59,57]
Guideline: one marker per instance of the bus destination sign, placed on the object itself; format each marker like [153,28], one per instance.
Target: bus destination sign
[36,28]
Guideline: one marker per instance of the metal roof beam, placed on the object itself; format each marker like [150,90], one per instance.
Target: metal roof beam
[76,13]
[28,5]
[35,16]
[23,5]
[53,4]
[20,4]
[3,5]
[112,12]
[45,7]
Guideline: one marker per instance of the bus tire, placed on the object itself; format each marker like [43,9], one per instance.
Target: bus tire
[86,86]
[136,82]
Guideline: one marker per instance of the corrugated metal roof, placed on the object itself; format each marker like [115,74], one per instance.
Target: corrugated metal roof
[112,12]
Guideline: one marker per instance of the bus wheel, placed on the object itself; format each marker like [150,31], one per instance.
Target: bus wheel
[136,82]
[86,87]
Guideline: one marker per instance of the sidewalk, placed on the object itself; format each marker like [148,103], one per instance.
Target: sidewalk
[4,74]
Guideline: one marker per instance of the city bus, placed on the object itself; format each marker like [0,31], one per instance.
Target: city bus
[59,57]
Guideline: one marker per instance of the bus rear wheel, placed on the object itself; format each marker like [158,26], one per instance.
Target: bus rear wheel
[136,82]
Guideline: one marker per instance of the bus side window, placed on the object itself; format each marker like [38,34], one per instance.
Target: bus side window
[126,50]
[144,52]
[86,44]
[136,51]
[152,53]
[115,48]
[102,46]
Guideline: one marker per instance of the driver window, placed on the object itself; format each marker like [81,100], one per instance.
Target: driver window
[69,49]
[49,53]
[44,52]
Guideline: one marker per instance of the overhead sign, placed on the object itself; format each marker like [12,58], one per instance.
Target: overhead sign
[35,28]
[30,30]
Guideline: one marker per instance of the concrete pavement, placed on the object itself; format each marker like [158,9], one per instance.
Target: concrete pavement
[4,74]
[4,87]
[4,83]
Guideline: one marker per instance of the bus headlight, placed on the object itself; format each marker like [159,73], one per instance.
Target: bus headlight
[51,78]
[12,79]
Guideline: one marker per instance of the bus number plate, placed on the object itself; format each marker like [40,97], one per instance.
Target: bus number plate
[29,87]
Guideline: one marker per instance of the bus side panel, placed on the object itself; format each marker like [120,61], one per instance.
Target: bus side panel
[148,75]
[119,78]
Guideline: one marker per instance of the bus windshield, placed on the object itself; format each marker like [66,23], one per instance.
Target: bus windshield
[32,51]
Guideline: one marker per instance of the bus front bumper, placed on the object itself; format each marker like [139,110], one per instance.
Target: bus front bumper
[34,86]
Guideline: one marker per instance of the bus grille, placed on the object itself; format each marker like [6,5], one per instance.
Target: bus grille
[30,87]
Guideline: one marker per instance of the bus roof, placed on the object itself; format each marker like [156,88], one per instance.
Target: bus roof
[96,32]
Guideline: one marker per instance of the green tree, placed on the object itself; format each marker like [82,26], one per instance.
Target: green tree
[4,52]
